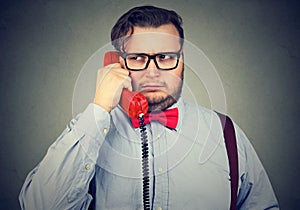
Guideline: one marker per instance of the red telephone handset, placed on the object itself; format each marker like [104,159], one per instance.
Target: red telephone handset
[133,103]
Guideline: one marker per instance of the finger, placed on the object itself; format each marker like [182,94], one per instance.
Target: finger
[111,73]
[121,71]
[114,66]
[127,83]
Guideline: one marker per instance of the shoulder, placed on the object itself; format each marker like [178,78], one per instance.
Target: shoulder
[210,120]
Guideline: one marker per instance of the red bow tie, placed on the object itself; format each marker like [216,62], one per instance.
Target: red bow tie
[168,118]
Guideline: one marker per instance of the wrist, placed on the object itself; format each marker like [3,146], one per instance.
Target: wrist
[102,105]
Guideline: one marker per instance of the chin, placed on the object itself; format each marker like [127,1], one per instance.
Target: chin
[155,97]
[159,102]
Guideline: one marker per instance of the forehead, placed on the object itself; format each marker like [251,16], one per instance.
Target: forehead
[150,40]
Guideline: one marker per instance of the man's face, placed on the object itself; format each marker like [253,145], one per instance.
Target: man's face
[162,88]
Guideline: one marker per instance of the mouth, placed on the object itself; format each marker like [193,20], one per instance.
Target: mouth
[151,88]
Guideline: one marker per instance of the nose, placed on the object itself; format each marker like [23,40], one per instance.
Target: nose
[152,70]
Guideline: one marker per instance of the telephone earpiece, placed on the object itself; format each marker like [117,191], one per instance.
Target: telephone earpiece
[133,103]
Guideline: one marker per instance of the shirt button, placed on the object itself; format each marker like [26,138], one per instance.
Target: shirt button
[159,208]
[160,170]
[88,166]
[158,136]
[105,131]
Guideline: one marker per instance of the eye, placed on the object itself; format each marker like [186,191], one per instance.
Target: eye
[136,57]
[163,57]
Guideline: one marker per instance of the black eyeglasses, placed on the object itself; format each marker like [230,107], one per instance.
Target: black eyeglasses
[140,61]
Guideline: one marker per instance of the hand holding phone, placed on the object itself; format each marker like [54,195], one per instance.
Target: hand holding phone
[111,80]
[114,81]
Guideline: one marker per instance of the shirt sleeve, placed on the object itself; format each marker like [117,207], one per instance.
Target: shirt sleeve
[61,180]
[255,190]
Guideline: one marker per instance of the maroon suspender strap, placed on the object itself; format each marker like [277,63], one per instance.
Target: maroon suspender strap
[232,153]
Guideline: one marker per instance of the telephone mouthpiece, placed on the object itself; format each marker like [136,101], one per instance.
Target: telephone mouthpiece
[134,103]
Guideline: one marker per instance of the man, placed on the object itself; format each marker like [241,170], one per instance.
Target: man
[97,163]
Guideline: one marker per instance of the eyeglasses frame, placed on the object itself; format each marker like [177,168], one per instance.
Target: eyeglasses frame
[151,57]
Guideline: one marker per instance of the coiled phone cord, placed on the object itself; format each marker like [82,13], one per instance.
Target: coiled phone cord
[145,163]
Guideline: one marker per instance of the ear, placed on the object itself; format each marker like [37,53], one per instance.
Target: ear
[122,62]
[182,56]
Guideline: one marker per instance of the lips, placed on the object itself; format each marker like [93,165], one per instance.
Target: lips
[151,87]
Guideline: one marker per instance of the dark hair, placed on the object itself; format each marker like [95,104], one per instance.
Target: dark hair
[144,16]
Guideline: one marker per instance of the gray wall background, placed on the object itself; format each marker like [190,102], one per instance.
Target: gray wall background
[254,45]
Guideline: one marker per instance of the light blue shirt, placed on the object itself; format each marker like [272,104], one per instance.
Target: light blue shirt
[188,166]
